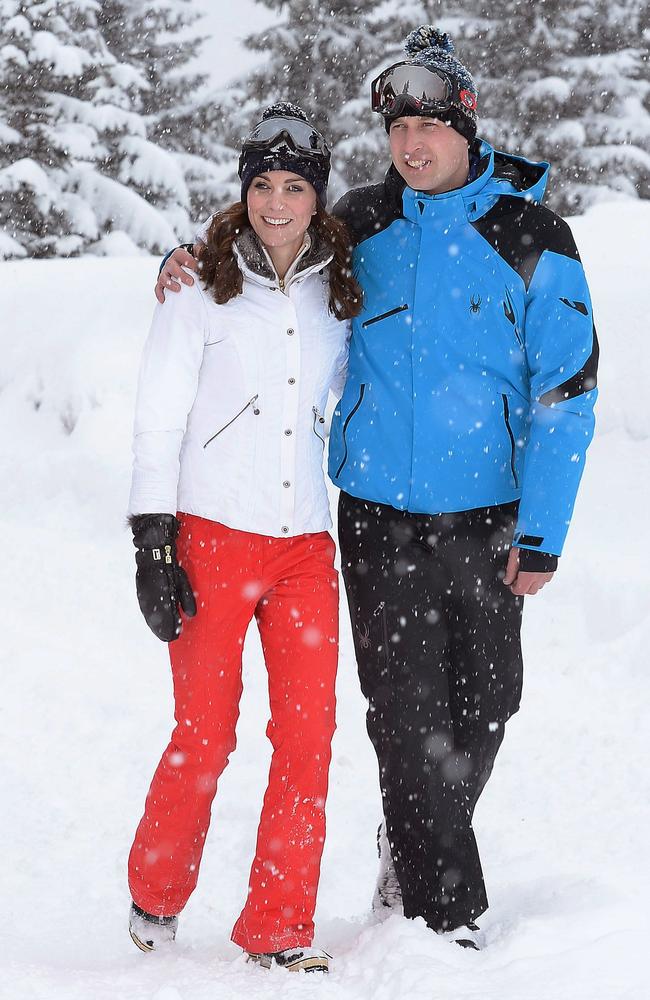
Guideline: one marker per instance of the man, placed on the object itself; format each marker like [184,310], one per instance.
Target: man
[458,446]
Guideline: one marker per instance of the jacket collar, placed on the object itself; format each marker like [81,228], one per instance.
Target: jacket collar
[256,264]
[394,186]
[492,174]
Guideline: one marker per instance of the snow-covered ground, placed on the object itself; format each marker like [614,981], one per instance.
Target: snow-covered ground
[86,701]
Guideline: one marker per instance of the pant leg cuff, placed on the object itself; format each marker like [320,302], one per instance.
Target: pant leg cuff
[266,944]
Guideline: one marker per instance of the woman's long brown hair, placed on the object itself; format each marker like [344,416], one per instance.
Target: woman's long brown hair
[219,270]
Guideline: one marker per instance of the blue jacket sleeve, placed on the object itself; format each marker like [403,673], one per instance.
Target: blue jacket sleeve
[562,352]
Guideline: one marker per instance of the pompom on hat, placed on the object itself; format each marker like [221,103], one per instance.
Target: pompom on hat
[284,109]
[313,166]
[429,47]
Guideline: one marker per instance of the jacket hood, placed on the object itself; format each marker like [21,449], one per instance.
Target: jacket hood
[493,173]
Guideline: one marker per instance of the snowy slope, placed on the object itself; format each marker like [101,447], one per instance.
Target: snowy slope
[86,702]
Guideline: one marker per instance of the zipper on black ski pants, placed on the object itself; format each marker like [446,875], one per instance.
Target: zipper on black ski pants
[437,640]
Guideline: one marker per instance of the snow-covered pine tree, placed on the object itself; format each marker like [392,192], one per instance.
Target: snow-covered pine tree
[151,44]
[153,37]
[64,100]
[47,48]
[566,83]
[217,121]
[317,55]
[156,38]
[325,56]
[89,159]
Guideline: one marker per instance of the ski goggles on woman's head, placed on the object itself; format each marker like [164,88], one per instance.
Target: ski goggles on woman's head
[291,133]
[284,143]
[405,87]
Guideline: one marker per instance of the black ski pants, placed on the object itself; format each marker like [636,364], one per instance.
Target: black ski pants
[437,640]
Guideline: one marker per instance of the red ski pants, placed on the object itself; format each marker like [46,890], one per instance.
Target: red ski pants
[291,587]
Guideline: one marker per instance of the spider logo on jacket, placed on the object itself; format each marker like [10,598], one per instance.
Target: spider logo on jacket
[364,636]
[475,304]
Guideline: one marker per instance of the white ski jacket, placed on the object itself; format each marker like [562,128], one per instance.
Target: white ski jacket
[229,416]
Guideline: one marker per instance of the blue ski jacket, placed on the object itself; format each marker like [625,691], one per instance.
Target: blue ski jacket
[472,367]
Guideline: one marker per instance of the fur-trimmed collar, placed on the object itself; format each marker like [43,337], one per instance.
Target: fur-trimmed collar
[256,258]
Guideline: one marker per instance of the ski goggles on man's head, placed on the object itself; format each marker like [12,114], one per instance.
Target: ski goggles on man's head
[293,134]
[403,87]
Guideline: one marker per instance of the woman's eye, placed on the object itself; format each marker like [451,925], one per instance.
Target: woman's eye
[295,188]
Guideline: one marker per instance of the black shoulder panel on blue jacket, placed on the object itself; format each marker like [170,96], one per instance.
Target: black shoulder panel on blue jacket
[520,231]
[368,210]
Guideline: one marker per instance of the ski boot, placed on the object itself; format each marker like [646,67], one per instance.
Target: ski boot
[293,959]
[151,933]
[468,936]
[387,898]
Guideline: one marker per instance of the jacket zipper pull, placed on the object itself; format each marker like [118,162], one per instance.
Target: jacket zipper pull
[256,411]
[168,554]
[321,420]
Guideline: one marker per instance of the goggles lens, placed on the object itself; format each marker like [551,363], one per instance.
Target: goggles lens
[291,132]
[414,86]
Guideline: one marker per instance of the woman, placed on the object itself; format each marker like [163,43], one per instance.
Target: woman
[230,515]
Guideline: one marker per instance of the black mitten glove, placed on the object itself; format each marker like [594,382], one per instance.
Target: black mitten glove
[161,584]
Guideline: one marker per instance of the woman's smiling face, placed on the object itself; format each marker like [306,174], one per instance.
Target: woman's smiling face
[280,208]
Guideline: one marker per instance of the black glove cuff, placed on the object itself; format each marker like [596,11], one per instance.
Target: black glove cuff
[531,561]
[153,531]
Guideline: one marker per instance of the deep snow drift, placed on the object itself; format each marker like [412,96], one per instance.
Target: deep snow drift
[86,703]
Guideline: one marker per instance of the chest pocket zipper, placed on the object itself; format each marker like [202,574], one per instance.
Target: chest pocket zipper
[362,389]
[511,316]
[391,312]
[320,420]
[236,417]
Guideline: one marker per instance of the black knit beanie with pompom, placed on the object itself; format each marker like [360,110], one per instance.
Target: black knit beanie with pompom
[255,162]
[430,47]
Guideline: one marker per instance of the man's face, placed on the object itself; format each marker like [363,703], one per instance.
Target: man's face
[430,155]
